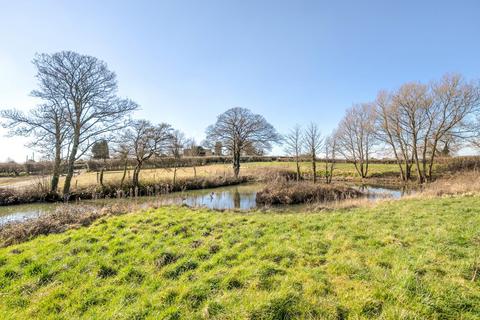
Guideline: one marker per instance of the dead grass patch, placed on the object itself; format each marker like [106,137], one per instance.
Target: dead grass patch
[290,192]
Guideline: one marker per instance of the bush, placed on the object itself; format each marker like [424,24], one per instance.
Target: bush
[289,192]
[28,195]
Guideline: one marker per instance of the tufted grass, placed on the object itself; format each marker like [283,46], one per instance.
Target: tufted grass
[408,259]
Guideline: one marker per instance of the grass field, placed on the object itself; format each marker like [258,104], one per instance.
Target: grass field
[408,259]
[252,168]
[342,170]
[86,179]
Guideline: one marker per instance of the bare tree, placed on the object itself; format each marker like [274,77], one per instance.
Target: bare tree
[313,143]
[144,141]
[385,129]
[356,136]
[86,89]
[239,128]
[176,144]
[391,129]
[413,103]
[417,118]
[46,123]
[294,146]
[330,147]
[455,104]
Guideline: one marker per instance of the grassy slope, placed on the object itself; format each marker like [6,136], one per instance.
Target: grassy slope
[401,260]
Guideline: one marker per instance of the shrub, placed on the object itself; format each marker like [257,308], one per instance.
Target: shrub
[289,192]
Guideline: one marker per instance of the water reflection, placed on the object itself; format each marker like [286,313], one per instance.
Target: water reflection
[380,192]
[232,198]
[23,212]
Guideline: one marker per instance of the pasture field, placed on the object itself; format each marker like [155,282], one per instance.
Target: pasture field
[406,259]
[86,179]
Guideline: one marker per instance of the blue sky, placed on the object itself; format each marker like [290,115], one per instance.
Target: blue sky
[294,62]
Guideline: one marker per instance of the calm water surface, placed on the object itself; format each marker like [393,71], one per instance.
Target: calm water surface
[240,197]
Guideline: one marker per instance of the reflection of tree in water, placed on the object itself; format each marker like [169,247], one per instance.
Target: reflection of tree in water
[236,199]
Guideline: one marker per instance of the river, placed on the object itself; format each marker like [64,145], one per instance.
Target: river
[240,197]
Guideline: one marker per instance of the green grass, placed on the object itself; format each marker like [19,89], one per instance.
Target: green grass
[342,170]
[410,259]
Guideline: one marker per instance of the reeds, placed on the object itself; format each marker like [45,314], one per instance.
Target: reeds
[292,192]
[31,194]
[462,183]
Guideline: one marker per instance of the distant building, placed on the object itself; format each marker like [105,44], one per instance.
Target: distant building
[197,151]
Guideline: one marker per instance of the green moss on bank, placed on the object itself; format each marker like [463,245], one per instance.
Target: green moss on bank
[406,259]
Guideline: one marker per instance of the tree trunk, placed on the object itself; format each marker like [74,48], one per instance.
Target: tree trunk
[71,164]
[402,173]
[56,169]
[136,174]
[124,173]
[432,158]
[408,170]
[236,164]
[366,166]
[174,175]
[314,167]
[101,177]
[298,168]
[417,161]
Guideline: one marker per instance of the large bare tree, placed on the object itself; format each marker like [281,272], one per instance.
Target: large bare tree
[412,102]
[87,90]
[455,104]
[294,146]
[46,124]
[239,128]
[144,140]
[417,118]
[355,135]
[313,143]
